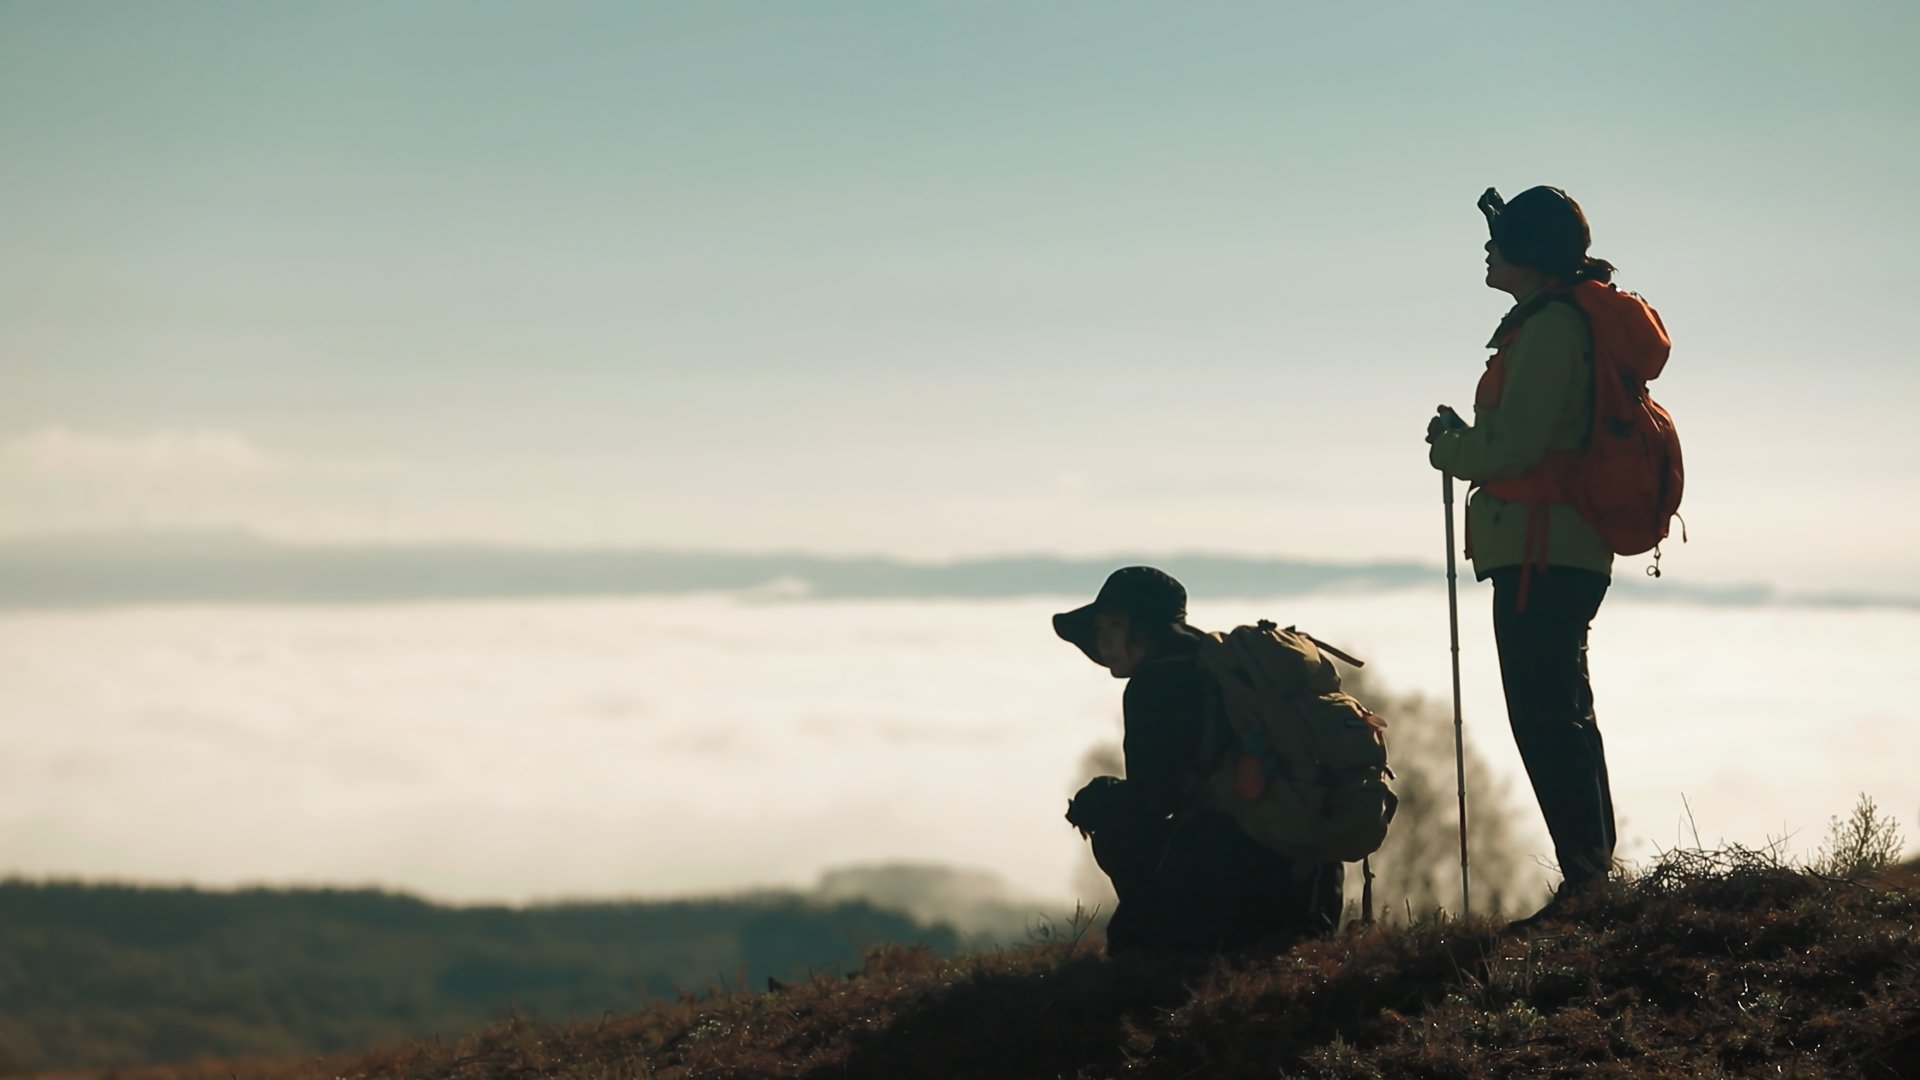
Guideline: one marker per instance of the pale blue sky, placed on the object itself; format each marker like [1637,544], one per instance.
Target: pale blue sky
[929,278]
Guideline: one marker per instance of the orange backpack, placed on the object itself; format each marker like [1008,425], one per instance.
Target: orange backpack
[1626,481]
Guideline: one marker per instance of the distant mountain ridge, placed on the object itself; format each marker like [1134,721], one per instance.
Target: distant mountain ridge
[237,568]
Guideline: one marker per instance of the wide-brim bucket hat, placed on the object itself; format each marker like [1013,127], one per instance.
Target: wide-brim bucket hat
[1151,597]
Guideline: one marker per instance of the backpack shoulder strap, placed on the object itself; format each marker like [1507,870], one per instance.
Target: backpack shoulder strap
[1510,325]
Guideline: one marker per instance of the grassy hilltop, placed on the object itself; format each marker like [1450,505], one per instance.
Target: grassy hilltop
[1709,965]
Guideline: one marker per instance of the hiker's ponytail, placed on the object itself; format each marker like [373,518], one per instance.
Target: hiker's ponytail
[1592,269]
[1571,269]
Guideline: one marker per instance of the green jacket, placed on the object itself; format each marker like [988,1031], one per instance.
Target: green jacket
[1547,404]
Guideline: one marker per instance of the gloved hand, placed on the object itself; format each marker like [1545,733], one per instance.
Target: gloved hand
[1444,420]
[1098,804]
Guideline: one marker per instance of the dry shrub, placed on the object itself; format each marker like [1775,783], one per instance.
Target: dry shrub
[1866,843]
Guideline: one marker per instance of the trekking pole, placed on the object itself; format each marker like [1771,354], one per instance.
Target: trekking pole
[1459,732]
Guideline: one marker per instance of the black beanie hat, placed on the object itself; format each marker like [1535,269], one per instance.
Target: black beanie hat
[1542,228]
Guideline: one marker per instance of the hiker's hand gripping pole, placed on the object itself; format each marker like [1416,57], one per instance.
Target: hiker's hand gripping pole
[1459,734]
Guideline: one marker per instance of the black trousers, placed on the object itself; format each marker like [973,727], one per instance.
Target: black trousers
[1543,667]
[1201,884]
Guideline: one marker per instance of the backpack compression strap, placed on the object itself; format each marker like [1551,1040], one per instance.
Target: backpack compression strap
[1337,654]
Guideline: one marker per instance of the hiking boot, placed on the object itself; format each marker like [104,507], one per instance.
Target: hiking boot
[1566,902]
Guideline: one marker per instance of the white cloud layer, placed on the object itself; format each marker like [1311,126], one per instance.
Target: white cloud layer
[528,749]
[56,452]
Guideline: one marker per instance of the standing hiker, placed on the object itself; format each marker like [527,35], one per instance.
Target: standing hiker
[1545,517]
[1187,876]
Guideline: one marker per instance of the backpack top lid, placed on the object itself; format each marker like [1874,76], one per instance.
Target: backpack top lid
[1264,658]
[1626,329]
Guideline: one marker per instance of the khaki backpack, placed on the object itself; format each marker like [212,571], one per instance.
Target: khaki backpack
[1303,766]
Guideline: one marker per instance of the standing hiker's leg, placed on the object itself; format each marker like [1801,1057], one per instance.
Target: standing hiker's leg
[1592,727]
[1550,706]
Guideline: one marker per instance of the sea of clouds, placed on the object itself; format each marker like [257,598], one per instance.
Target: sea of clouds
[517,750]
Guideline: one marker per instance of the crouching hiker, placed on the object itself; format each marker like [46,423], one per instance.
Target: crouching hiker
[1249,776]
[1572,464]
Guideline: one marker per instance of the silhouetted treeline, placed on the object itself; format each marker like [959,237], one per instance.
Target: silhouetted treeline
[104,975]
